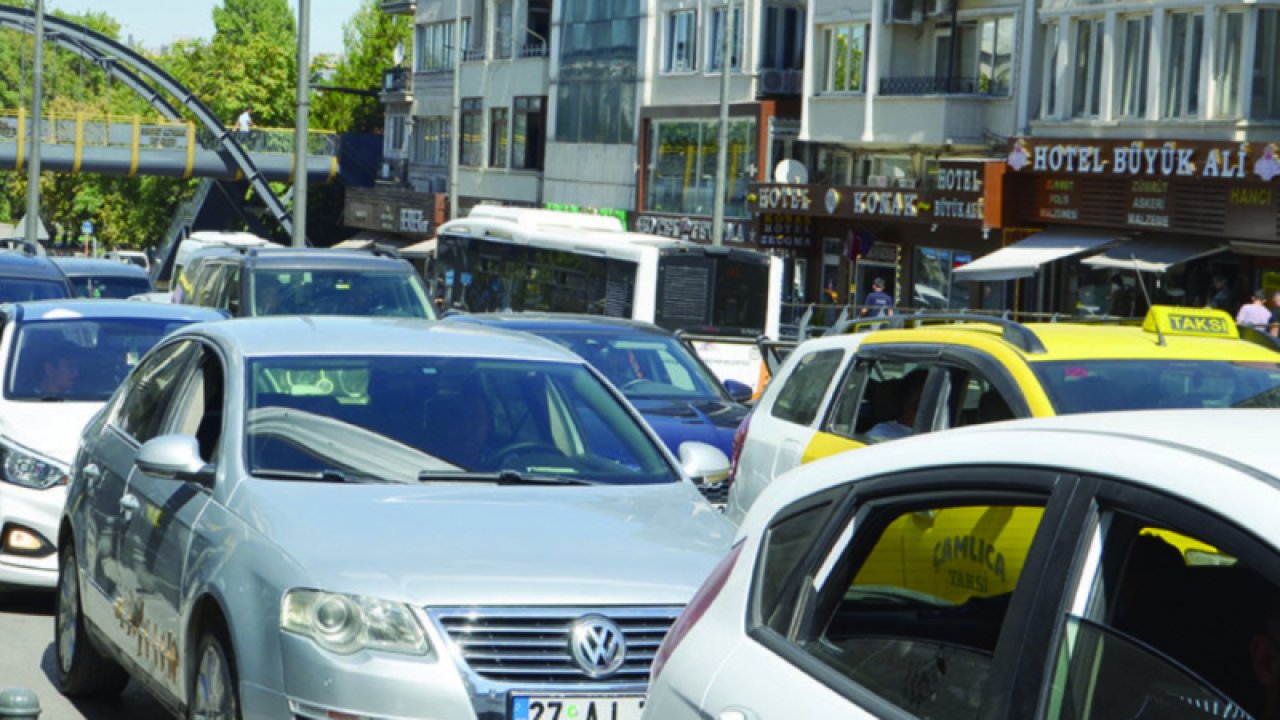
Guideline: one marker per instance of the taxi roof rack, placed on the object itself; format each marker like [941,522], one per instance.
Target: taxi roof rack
[1012,331]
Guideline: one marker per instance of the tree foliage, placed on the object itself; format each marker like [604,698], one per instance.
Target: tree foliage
[370,38]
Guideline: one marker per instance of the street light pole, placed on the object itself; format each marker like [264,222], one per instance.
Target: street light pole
[33,151]
[303,120]
[455,132]
[722,146]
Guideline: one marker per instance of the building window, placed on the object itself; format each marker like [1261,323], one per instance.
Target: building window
[1228,73]
[995,55]
[1133,67]
[599,65]
[393,135]
[1265,103]
[434,45]
[682,36]
[935,288]
[845,52]
[1182,65]
[715,43]
[884,171]
[435,149]
[783,38]
[472,132]
[499,130]
[1087,91]
[529,133]
[1049,105]
[503,38]
[682,166]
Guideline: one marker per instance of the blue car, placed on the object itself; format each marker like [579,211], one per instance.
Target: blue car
[662,378]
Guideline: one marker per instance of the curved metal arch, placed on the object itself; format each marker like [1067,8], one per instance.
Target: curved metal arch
[131,68]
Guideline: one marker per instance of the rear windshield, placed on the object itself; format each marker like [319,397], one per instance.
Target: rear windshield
[79,360]
[1077,386]
[23,289]
[397,417]
[110,287]
[643,366]
[339,292]
[713,294]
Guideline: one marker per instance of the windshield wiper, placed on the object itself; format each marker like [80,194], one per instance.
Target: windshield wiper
[502,477]
[327,475]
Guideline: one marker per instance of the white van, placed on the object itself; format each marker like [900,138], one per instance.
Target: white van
[198,241]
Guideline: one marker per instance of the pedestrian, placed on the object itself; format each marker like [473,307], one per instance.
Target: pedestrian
[878,302]
[1221,299]
[1273,326]
[244,124]
[1255,313]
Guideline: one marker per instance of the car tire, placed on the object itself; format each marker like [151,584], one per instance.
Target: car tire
[214,690]
[82,671]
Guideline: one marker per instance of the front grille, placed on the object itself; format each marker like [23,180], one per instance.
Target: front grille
[523,646]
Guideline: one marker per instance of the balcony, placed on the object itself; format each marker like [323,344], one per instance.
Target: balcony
[399,7]
[397,85]
[942,85]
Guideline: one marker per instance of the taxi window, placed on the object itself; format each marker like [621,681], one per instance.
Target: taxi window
[873,394]
[800,396]
[919,622]
[1176,629]
[1076,386]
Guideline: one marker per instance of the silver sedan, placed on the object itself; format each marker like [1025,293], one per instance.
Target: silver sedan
[338,517]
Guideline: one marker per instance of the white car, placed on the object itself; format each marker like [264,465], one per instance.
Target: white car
[62,360]
[1116,565]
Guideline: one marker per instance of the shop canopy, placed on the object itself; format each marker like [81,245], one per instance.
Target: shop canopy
[1152,254]
[1025,257]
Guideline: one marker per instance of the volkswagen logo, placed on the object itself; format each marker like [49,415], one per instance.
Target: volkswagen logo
[597,646]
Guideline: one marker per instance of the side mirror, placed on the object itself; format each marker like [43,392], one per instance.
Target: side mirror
[175,456]
[703,463]
[739,391]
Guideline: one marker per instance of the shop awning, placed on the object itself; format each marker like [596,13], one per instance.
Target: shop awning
[1024,258]
[425,248]
[1152,254]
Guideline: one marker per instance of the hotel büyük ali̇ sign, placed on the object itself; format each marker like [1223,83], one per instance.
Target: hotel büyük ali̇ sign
[1223,189]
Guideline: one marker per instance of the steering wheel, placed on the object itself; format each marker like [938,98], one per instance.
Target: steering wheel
[527,447]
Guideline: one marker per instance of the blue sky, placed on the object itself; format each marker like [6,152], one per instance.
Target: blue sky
[158,22]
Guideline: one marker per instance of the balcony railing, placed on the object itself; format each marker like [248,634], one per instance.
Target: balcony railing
[399,7]
[396,80]
[533,50]
[935,85]
[473,55]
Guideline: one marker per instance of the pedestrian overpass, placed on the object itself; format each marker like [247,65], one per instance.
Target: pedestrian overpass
[174,145]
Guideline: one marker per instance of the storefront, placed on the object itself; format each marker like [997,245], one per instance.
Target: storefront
[838,239]
[1171,216]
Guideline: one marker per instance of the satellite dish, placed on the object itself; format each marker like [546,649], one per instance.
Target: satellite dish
[791,172]
[398,54]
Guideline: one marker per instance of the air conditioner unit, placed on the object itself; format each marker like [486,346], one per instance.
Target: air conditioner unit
[793,82]
[780,82]
[909,12]
[880,181]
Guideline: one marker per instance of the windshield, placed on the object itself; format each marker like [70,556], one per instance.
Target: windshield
[22,289]
[1076,386]
[110,286]
[715,295]
[339,292]
[79,360]
[400,418]
[643,366]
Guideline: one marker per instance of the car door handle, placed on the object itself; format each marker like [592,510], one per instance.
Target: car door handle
[129,504]
[92,472]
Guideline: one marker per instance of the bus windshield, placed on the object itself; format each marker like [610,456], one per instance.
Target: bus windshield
[713,293]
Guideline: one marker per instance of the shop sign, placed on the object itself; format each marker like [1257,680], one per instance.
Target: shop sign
[784,197]
[414,220]
[954,198]
[785,230]
[687,228]
[392,210]
[1149,159]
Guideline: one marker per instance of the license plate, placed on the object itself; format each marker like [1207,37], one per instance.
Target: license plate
[576,707]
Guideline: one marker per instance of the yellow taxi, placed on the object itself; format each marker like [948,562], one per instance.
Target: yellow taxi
[923,373]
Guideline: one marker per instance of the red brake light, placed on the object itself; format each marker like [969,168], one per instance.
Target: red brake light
[696,608]
[739,440]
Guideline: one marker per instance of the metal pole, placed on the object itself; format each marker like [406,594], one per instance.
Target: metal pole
[722,148]
[300,132]
[455,136]
[33,151]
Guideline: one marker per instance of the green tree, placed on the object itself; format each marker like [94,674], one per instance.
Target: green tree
[370,38]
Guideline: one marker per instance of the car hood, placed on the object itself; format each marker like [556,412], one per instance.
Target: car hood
[50,428]
[454,544]
[679,421]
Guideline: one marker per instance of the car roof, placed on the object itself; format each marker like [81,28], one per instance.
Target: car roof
[362,336]
[75,308]
[1222,458]
[553,322]
[98,266]
[308,258]
[14,263]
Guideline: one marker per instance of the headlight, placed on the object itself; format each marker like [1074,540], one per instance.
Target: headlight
[345,624]
[24,468]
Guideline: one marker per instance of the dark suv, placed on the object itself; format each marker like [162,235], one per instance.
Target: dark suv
[25,275]
[251,282]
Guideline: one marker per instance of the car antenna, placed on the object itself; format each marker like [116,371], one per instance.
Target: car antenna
[1147,296]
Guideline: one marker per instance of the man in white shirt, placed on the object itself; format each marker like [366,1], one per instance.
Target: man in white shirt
[244,124]
[1255,312]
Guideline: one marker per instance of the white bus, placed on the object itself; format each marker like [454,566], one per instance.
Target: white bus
[503,258]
